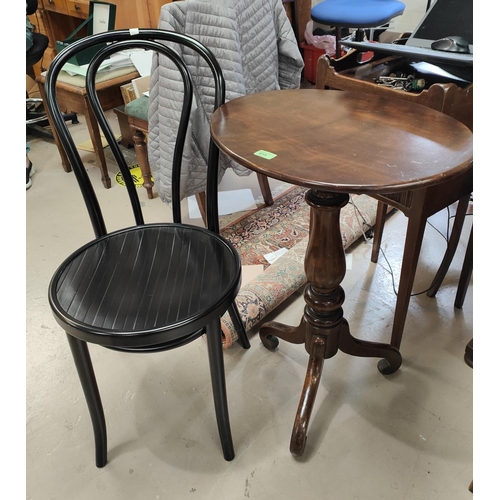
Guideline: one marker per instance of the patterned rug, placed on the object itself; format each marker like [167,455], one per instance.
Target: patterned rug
[269,229]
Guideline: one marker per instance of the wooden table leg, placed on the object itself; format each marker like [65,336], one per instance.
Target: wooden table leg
[308,396]
[265,189]
[141,151]
[465,275]
[95,137]
[64,159]
[379,230]
[323,328]
[413,244]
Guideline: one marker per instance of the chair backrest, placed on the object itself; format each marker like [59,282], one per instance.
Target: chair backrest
[163,42]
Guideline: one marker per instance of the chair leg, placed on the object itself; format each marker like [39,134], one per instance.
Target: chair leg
[378,230]
[83,363]
[95,137]
[463,282]
[240,328]
[265,189]
[141,151]
[64,159]
[413,244]
[469,354]
[217,375]
[456,231]
[338,46]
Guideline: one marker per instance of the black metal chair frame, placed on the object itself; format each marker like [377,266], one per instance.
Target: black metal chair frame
[73,287]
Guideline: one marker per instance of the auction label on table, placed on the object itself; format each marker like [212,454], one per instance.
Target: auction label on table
[264,154]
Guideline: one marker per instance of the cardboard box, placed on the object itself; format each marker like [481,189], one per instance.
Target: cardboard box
[31,87]
[141,85]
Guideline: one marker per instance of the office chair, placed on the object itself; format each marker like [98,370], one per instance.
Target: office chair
[357,14]
[145,288]
[36,117]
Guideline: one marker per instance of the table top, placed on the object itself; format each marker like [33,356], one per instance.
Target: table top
[342,141]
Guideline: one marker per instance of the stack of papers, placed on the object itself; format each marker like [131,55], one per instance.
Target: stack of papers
[119,60]
[142,60]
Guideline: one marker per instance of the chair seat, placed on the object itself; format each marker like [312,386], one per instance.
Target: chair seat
[356,14]
[138,111]
[122,290]
[138,108]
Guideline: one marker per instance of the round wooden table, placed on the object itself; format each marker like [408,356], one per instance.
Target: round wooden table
[337,143]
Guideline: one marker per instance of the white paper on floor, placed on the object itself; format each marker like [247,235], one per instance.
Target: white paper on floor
[272,257]
[348,261]
[238,200]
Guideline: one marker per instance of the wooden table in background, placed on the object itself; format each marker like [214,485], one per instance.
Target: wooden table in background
[74,98]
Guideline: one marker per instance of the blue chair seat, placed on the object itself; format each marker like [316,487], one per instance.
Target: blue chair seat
[356,13]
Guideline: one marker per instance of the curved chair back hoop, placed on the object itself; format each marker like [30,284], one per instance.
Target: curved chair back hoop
[108,133]
[147,39]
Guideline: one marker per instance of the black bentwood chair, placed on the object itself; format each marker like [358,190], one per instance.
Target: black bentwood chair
[149,287]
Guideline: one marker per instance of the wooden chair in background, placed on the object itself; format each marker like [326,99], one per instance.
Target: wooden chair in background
[136,114]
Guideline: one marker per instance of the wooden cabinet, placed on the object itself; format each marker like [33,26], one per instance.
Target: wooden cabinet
[78,8]
[59,18]
[154,8]
[299,14]
[55,6]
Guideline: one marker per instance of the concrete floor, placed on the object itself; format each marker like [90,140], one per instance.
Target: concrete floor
[404,436]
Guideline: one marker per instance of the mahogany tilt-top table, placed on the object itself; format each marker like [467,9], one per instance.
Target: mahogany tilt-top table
[337,143]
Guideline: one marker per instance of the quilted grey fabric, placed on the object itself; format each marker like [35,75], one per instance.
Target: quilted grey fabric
[257,50]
